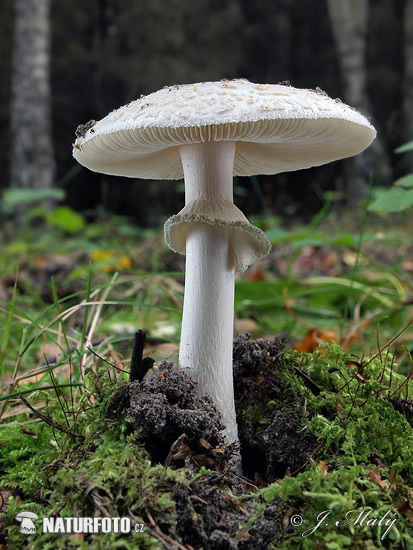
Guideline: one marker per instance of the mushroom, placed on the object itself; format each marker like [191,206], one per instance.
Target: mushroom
[26,520]
[207,133]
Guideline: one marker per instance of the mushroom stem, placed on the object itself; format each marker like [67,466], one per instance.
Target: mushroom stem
[208,313]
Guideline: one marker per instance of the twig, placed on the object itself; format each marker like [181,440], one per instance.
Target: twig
[139,342]
[162,535]
[245,481]
[308,460]
[308,382]
[51,374]
[106,361]
[406,381]
[49,421]
[173,448]
[389,343]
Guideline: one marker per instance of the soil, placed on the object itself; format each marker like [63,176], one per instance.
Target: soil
[270,413]
[180,428]
[154,451]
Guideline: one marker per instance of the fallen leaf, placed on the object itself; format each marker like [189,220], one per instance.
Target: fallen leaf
[26,431]
[21,409]
[244,536]
[375,476]
[77,536]
[256,276]
[245,325]
[375,458]
[313,339]
[181,452]
[324,469]
[51,352]
[286,518]
[405,507]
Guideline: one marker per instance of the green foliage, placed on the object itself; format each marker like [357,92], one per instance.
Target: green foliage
[399,197]
[352,418]
[355,422]
[333,508]
[360,390]
[300,238]
[23,455]
[29,197]
[111,470]
[66,219]
[405,148]
[405,182]
[32,201]
[395,199]
[110,467]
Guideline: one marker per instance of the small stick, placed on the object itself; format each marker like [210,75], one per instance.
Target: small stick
[138,366]
[173,448]
[48,420]
[105,360]
[165,538]
[308,460]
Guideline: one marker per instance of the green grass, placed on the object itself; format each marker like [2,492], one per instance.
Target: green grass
[350,282]
[109,280]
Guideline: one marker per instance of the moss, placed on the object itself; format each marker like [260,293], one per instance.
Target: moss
[362,468]
[321,437]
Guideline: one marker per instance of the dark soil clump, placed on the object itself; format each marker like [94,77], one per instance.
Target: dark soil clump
[174,421]
[178,427]
[208,518]
[270,412]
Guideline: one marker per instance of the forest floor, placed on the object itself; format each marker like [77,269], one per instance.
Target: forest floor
[321,372]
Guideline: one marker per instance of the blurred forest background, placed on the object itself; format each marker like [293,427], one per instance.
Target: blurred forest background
[63,63]
[83,266]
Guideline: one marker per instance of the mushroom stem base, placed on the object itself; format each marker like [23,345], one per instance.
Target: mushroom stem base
[208,317]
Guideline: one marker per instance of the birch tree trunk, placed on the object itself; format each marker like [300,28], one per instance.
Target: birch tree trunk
[32,160]
[408,77]
[349,22]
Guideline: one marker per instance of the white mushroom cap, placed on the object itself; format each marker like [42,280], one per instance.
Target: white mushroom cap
[276,128]
[26,515]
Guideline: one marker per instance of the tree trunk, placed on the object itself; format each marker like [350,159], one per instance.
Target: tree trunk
[349,22]
[408,77]
[32,160]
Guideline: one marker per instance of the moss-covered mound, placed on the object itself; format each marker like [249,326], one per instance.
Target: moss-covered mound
[325,440]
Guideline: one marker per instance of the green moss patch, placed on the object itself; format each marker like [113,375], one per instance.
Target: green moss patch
[325,439]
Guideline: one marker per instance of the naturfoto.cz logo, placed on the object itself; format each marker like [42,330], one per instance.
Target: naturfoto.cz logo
[92,525]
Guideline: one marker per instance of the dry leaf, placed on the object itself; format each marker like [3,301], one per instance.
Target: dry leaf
[256,275]
[77,536]
[324,469]
[26,431]
[20,409]
[375,476]
[245,325]
[404,506]
[286,518]
[313,339]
